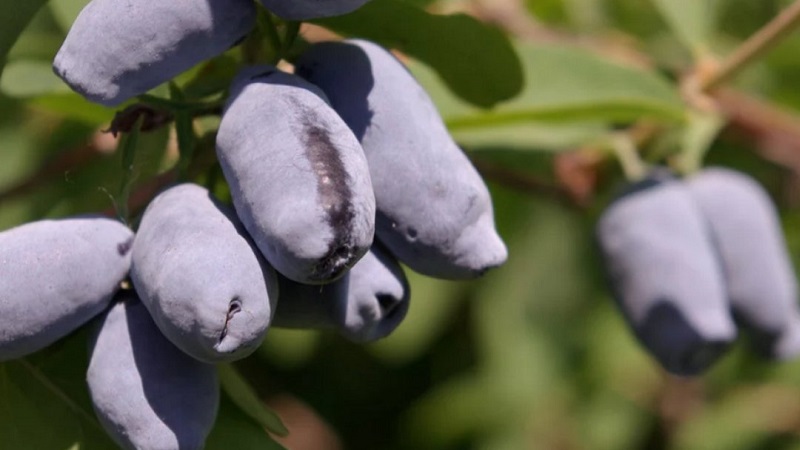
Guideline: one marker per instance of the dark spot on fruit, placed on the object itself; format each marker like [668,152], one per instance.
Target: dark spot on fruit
[124,247]
[333,191]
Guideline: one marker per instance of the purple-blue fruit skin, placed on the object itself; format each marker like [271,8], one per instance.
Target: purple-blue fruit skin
[146,392]
[55,275]
[759,276]
[663,270]
[204,282]
[365,305]
[117,50]
[434,210]
[298,177]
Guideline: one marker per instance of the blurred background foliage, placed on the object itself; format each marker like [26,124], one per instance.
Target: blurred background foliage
[533,355]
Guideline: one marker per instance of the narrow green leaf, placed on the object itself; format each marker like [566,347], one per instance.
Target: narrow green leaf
[16,16]
[183,129]
[693,21]
[476,60]
[127,147]
[247,400]
[234,430]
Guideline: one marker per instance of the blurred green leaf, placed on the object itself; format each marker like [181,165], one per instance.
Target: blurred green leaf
[609,421]
[47,391]
[36,44]
[234,430]
[476,60]
[15,17]
[70,105]
[564,84]
[247,400]
[693,21]
[211,77]
[538,135]
[66,11]
[30,78]
[742,419]
[449,412]
[433,305]
[699,134]
[290,348]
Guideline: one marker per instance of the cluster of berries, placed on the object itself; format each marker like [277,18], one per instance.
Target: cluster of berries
[338,172]
[689,259]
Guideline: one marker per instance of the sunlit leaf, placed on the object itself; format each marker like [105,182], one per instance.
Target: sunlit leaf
[475,60]
[693,21]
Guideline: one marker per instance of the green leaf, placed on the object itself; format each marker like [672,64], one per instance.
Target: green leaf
[246,398]
[693,21]
[16,15]
[434,305]
[565,84]
[44,402]
[30,78]
[127,147]
[571,97]
[184,129]
[36,43]
[211,77]
[290,348]
[526,136]
[66,11]
[72,106]
[234,430]
[475,60]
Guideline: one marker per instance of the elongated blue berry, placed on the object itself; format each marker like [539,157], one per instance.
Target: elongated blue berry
[55,275]
[759,277]
[298,177]
[434,210]
[367,304]
[116,49]
[205,284]
[146,392]
[665,276]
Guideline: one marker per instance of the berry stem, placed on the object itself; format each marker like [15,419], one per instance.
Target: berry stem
[755,46]
[127,145]
[627,155]
[268,24]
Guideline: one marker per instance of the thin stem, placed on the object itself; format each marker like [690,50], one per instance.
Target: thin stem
[127,146]
[755,46]
[627,155]
[173,105]
[272,35]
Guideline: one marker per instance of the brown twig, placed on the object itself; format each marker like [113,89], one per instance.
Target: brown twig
[755,46]
[522,181]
